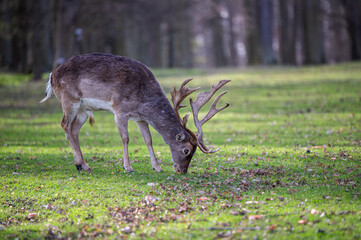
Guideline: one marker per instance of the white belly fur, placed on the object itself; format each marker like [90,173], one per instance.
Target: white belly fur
[93,104]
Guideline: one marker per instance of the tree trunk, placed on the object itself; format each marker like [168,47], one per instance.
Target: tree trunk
[353,18]
[5,34]
[313,40]
[217,33]
[287,32]
[265,26]
[232,8]
[65,13]
[252,34]
[40,38]
[184,19]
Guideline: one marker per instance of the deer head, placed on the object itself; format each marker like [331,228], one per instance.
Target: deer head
[192,140]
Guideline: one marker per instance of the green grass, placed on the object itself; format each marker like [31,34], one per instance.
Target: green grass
[290,153]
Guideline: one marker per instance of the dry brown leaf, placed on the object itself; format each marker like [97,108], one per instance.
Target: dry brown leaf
[314,211]
[203,199]
[302,221]
[256,217]
[32,215]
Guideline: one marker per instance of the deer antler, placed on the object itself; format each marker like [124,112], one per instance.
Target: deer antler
[178,95]
[201,99]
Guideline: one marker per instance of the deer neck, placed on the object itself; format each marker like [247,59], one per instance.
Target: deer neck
[163,119]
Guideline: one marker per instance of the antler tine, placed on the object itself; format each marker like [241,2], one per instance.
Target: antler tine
[178,95]
[201,99]
[213,110]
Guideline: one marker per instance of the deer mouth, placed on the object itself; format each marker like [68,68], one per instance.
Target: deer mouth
[177,169]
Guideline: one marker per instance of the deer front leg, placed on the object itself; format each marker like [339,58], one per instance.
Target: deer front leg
[122,124]
[144,130]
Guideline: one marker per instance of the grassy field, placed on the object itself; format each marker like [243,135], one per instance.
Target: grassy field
[288,168]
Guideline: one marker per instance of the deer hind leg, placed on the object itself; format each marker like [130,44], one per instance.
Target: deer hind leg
[144,130]
[72,122]
[122,124]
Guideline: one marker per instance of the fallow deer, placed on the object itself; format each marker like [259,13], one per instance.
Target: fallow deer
[129,90]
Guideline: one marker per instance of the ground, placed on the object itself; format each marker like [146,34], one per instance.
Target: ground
[288,168]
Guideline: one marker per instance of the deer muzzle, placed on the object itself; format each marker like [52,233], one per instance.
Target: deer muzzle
[180,169]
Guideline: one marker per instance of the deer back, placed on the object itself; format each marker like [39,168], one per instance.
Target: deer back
[127,85]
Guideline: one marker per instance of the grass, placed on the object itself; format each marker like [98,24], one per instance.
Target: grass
[288,168]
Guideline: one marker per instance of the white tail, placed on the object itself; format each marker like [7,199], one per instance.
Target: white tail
[49,90]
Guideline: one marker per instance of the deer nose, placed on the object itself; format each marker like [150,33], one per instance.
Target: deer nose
[184,171]
[177,168]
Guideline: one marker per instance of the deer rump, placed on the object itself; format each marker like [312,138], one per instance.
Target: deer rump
[129,90]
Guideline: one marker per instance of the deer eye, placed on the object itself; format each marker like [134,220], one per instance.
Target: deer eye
[186,151]
[180,137]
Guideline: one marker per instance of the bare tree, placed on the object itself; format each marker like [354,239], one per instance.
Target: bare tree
[40,38]
[287,32]
[265,28]
[313,38]
[65,12]
[353,18]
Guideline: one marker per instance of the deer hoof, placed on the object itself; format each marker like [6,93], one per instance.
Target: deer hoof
[158,169]
[84,167]
[78,167]
[128,169]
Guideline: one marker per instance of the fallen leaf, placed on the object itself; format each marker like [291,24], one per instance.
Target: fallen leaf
[225,234]
[272,227]
[292,190]
[32,215]
[203,199]
[49,207]
[256,217]
[204,208]
[252,202]
[152,184]
[314,211]
[238,198]
[150,199]
[183,208]
[235,213]
[126,230]
[302,221]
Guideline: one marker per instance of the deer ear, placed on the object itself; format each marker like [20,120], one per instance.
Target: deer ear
[180,137]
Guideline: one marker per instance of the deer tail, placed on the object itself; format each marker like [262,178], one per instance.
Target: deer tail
[49,90]
[91,118]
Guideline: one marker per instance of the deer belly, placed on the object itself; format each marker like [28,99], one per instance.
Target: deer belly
[94,104]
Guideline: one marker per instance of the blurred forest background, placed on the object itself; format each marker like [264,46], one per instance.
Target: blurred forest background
[36,36]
